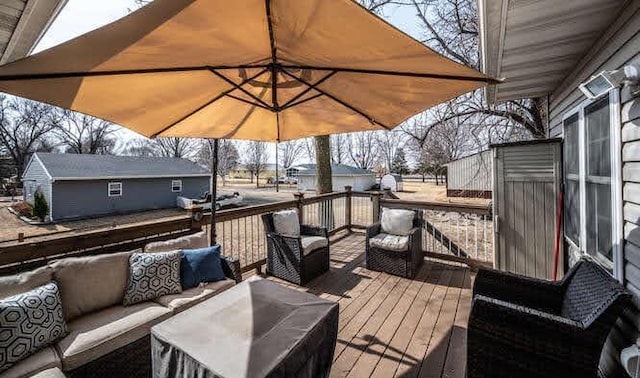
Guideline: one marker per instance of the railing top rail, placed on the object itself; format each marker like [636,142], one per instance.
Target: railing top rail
[361,194]
[323,197]
[438,206]
[231,214]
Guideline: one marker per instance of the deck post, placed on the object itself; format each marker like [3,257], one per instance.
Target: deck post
[300,198]
[347,207]
[375,199]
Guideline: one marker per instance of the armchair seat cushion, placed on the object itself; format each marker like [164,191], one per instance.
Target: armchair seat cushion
[95,335]
[42,360]
[390,242]
[193,296]
[311,243]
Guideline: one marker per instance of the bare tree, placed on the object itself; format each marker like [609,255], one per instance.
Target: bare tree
[290,152]
[83,134]
[25,128]
[309,148]
[362,149]
[388,143]
[176,147]
[324,179]
[139,147]
[256,159]
[339,148]
[228,157]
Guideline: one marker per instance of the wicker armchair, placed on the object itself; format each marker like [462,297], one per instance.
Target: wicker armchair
[290,259]
[522,327]
[405,262]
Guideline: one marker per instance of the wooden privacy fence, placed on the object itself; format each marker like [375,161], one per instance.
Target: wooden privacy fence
[459,232]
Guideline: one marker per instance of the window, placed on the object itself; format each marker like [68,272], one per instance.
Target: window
[115,189]
[592,179]
[176,186]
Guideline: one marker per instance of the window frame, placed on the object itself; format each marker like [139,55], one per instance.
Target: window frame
[615,150]
[173,186]
[109,189]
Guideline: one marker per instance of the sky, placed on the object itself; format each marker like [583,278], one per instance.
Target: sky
[81,16]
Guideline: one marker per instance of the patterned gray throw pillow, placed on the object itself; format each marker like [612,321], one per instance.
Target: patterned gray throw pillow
[152,275]
[29,322]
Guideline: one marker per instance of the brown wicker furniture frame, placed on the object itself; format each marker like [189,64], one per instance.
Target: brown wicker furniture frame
[523,327]
[285,256]
[400,263]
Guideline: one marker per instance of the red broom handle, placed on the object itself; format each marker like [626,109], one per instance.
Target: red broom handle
[558,225]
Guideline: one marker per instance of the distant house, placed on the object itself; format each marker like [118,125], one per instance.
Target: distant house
[342,175]
[470,176]
[241,171]
[79,186]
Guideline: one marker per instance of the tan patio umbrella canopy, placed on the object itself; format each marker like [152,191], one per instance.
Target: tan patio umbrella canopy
[245,69]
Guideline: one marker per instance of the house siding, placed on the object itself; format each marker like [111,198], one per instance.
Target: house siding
[357,183]
[80,199]
[618,46]
[36,174]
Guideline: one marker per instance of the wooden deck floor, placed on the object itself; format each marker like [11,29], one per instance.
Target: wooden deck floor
[391,326]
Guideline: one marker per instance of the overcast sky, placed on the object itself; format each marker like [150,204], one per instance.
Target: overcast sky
[81,16]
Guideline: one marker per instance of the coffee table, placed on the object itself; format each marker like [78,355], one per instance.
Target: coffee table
[258,328]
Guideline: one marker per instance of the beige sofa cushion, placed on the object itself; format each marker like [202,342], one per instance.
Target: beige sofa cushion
[50,373]
[95,335]
[390,242]
[397,221]
[89,284]
[46,358]
[287,223]
[193,296]
[311,243]
[195,241]
[21,283]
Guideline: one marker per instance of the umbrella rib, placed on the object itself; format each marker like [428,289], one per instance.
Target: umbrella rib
[66,75]
[343,103]
[292,102]
[274,59]
[397,73]
[213,100]
[248,102]
[239,87]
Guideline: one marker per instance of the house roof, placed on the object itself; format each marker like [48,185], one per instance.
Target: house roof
[534,45]
[24,22]
[101,167]
[336,170]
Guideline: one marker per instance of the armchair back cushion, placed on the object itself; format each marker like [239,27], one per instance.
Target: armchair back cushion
[89,284]
[397,221]
[286,222]
[23,282]
[194,241]
[589,292]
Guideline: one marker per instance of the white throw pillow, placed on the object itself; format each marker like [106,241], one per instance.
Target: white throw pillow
[286,223]
[396,221]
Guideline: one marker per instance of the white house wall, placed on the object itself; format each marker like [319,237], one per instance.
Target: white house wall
[358,183]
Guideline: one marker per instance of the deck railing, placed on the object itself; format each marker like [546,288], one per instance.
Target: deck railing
[460,232]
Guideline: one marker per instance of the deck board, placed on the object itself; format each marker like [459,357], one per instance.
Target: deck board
[393,326]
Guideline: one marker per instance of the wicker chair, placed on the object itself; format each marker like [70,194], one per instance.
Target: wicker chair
[404,263]
[522,327]
[287,258]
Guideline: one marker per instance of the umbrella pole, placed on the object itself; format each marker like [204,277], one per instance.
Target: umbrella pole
[214,191]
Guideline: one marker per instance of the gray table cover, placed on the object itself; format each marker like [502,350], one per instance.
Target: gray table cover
[258,328]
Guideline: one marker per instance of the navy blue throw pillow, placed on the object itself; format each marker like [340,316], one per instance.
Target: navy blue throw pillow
[200,265]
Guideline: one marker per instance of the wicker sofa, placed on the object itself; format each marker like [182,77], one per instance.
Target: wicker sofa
[297,259]
[522,327]
[105,338]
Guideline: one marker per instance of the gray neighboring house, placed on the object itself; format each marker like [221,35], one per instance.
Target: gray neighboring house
[82,186]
